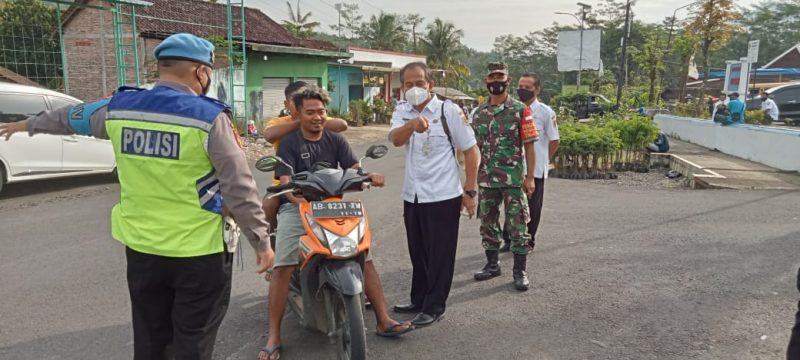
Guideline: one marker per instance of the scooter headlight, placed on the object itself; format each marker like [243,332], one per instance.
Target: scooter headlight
[319,232]
[346,246]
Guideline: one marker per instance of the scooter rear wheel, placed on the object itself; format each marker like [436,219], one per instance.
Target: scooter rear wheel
[352,340]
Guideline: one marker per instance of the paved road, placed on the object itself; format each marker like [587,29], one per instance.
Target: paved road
[619,273]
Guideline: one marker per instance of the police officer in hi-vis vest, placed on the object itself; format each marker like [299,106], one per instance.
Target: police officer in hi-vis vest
[177,158]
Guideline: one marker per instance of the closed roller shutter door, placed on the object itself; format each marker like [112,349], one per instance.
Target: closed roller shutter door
[272,89]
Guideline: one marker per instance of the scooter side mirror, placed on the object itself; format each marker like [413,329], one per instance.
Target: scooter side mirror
[377,151]
[267,163]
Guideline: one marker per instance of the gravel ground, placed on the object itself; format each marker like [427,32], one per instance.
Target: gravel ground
[655,179]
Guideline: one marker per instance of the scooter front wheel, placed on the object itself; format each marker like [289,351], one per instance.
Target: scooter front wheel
[349,315]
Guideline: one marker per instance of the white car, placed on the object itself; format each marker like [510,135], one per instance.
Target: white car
[25,158]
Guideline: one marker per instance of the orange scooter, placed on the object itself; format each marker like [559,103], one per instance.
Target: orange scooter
[327,291]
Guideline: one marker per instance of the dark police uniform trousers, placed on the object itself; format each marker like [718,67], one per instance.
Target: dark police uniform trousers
[177,302]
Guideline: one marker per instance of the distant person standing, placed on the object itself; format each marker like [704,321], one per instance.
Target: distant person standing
[769,107]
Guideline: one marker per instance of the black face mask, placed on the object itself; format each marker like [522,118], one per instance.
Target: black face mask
[525,95]
[204,88]
[496,87]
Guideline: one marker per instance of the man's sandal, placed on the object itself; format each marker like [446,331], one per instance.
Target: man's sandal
[270,351]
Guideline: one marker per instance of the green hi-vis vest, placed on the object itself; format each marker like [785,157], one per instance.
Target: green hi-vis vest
[170,202]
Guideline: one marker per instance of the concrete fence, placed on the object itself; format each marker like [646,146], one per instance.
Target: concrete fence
[775,147]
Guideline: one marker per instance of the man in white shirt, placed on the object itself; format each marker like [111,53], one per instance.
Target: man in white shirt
[723,99]
[545,119]
[769,107]
[432,130]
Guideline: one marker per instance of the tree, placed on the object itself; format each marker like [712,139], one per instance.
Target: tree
[775,23]
[442,44]
[384,32]
[714,22]
[414,20]
[29,44]
[350,20]
[648,56]
[298,24]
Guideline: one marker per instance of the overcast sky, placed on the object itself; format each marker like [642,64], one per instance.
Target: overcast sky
[481,20]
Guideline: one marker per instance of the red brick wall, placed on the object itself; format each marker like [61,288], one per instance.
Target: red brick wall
[90,51]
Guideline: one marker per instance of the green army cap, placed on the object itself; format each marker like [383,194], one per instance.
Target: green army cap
[496,67]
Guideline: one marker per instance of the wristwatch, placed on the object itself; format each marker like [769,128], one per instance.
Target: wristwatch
[471,193]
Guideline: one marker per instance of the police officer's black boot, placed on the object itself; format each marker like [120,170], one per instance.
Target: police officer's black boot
[492,268]
[521,282]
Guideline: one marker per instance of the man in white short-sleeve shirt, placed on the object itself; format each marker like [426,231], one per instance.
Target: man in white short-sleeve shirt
[432,190]
[545,119]
[769,107]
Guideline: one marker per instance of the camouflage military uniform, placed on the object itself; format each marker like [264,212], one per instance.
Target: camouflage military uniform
[501,132]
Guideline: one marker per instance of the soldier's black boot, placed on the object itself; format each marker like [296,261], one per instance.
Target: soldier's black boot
[492,268]
[506,246]
[506,242]
[521,282]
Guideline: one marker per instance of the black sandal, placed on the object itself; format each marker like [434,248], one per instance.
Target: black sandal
[271,351]
[390,332]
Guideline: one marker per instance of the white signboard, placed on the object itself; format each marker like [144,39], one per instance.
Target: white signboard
[569,50]
[737,76]
[752,51]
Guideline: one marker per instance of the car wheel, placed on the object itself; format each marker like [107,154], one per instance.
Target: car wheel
[2,177]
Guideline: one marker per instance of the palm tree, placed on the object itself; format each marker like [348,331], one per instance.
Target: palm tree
[442,43]
[415,20]
[298,24]
[384,32]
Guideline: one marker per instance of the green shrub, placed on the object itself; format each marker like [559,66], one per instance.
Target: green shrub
[612,142]
[361,111]
[383,110]
[756,117]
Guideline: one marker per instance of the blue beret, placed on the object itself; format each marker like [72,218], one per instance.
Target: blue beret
[186,47]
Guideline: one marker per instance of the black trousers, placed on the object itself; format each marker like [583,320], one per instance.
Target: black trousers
[432,232]
[535,203]
[177,304]
[793,353]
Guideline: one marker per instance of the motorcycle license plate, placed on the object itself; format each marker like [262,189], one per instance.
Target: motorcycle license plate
[336,209]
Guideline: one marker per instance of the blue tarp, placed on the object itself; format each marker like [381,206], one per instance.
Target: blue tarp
[777,71]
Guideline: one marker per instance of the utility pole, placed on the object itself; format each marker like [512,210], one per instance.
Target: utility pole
[584,7]
[338,7]
[669,39]
[622,68]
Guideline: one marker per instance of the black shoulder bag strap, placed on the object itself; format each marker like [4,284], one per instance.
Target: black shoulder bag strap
[305,155]
[447,131]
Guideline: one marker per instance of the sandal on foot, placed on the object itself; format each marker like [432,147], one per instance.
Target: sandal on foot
[393,332]
[270,351]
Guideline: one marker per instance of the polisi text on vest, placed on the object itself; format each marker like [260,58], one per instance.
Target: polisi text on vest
[153,143]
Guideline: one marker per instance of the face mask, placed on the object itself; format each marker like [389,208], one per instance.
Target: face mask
[416,96]
[496,87]
[525,95]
